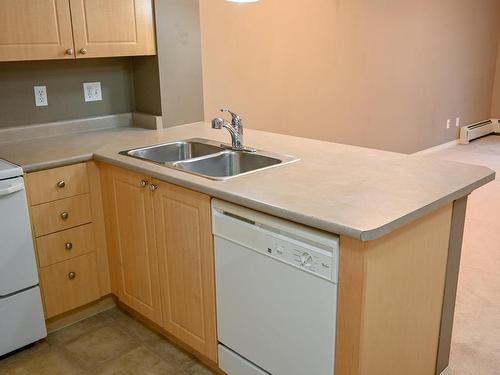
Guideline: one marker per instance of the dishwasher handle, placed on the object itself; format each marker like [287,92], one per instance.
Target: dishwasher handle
[12,187]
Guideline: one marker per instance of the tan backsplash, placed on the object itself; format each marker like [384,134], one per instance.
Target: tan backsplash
[380,74]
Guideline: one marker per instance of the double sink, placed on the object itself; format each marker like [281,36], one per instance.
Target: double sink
[208,158]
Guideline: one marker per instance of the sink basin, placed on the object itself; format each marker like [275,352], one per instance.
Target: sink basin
[227,164]
[174,151]
[208,158]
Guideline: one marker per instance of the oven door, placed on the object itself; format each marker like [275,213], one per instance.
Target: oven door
[17,256]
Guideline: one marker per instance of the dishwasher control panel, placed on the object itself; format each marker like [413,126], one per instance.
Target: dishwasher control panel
[314,260]
[307,249]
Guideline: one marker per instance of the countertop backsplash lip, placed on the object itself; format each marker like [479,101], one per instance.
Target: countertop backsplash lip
[347,190]
[58,128]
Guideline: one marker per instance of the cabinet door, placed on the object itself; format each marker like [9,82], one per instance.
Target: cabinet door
[133,255]
[113,27]
[35,30]
[185,251]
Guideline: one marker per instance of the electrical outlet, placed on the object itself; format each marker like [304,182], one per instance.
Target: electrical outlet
[448,124]
[457,122]
[40,96]
[92,91]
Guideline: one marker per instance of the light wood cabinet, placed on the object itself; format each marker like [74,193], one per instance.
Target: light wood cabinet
[61,246]
[132,251]
[161,253]
[70,247]
[35,30]
[61,214]
[58,183]
[69,284]
[68,29]
[185,249]
[113,27]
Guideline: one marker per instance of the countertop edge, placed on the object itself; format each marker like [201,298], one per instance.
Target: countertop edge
[376,233]
[35,167]
[362,235]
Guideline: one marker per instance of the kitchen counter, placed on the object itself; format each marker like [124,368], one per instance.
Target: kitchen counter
[358,192]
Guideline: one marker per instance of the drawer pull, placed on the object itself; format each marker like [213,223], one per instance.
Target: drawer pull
[64,215]
[153,187]
[68,245]
[144,183]
[71,275]
[61,184]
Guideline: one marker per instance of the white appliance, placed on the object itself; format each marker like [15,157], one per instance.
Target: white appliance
[21,314]
[276,285]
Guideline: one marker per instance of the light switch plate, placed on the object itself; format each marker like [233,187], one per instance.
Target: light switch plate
[92,91]
[40,96]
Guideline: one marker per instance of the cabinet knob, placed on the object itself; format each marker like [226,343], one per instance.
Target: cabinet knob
[71,275]
[64,215]
[83,51]
[70,52]
[61,184]
[68,245]
[153,187]
[144,183]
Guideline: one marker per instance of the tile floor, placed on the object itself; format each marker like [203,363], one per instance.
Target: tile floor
[114,343]
[476,335]
[108,343]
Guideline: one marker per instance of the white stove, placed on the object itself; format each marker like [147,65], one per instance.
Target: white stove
[21,313]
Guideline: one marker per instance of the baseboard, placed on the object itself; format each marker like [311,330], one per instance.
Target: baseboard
[437,148]
[444,146]
[71,317]
[155,327]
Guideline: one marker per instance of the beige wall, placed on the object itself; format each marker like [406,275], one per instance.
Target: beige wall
[384,74]
[495,104]
[179,61]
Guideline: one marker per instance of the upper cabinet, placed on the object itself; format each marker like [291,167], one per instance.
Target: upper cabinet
[35,30]
[113,27]
[68,29]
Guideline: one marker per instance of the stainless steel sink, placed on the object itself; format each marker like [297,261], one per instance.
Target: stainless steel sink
[208,158]
[174,151]
[227,164]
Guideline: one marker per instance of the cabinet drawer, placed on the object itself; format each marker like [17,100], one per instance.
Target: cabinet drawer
[57,183]
[62,214]
[71,243]
[69,284]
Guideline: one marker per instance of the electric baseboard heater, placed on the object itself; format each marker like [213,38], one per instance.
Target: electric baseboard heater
[470,132]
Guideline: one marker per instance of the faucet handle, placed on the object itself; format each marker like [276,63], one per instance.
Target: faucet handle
[217,123]
[236,119]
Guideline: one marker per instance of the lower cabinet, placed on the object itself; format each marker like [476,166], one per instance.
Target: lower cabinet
[66,217]
[161,255]
[69,284]
[185,251]
[132,251]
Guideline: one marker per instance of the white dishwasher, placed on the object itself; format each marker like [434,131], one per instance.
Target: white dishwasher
[276,287]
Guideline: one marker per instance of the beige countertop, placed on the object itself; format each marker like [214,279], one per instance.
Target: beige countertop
[348,190]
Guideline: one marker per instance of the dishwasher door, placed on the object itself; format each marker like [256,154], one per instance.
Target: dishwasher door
[275,313]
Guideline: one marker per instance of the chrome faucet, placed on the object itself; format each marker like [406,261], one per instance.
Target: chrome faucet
[235,128]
